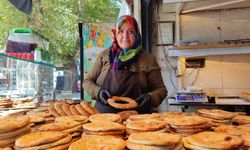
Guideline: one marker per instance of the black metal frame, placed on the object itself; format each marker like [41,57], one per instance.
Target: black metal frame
[146,22]
[80,25]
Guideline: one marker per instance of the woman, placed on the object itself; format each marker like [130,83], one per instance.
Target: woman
[126,70]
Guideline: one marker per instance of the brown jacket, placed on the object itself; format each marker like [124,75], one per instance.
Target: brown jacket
[150,78]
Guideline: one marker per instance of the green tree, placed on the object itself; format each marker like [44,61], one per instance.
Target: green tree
[58,21]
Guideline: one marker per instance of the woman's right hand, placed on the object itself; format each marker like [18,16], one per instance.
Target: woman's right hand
[103,96]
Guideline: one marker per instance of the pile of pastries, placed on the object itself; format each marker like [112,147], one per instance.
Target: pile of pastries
[157,131]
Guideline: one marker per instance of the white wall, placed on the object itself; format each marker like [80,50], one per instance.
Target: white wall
[226,75]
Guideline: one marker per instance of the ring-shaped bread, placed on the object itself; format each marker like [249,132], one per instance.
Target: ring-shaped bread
[128,102]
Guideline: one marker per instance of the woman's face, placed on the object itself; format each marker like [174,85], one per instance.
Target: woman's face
[125,36]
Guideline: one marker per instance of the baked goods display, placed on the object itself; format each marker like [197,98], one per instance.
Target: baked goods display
[64,109]
[122,102]
[98,143]
[104,129]
[142,131]
[11,128]
[105,117]
[216,116]
[212,140]
[154,141]
[43,140]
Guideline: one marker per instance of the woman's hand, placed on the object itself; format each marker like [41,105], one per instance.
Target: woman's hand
[143,99]
[103,96]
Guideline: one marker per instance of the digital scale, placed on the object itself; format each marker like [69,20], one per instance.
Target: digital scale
[191,97]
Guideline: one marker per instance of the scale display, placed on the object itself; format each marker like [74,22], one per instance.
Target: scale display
[191,97]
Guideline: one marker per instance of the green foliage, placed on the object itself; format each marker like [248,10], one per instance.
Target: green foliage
[58,21]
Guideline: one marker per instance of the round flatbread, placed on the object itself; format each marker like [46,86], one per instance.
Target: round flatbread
[58,108]
[82,119]
[105,117]
[36,113]
[118,132]
[64,140]
[81,110]
[20,131]
[98,143]
[217,113]
[187,121]
[74,129]
[233,130]
[12,123]
[202,126]
[155,138]
[65,108]
[213,140]
[73,110]
[144,116]
[36,119]
[241,120]
[88,108]
[103,126]
[39,138]
[61,147]
[147,125]
[59,126]
[52,110]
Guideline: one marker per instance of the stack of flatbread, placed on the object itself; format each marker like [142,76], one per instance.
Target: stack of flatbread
[41,112]
[147,125]
[11,128]
[241,131]
[72,127]
[241,120]
[216,116]
[98,143]
[188,125]
[212,141]
[80,119]
[154,141]
[138,117]
[105,117]
[104,129]
[50,140]
[64,109]
[143,117]
[6,103]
